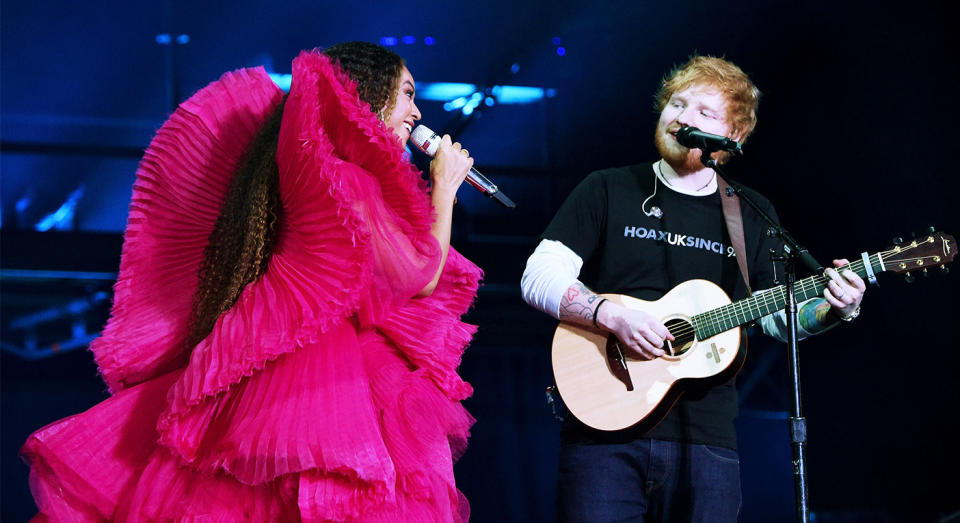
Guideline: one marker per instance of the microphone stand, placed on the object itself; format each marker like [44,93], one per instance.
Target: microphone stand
[792,252]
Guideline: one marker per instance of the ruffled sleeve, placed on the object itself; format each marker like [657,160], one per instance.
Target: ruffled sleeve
[180,187]
[429,331]
[333,134]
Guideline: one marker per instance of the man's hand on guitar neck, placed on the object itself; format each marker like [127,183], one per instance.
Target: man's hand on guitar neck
[844,291]
[640,332]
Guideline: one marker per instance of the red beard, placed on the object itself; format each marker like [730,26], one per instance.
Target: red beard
[679,157]
[682,159]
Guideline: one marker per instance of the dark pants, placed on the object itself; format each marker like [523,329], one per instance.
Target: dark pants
[647,480]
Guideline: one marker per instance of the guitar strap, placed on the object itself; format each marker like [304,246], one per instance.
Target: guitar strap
[734,218]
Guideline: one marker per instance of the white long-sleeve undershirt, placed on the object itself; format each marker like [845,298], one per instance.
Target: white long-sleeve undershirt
[551,270]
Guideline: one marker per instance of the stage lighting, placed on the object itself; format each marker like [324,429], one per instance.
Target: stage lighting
[282,80]
[443,91]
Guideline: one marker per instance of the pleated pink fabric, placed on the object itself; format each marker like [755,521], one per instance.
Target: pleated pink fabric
[328,392]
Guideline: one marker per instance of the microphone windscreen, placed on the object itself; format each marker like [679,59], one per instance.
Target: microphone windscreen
[425,140]
[686,138]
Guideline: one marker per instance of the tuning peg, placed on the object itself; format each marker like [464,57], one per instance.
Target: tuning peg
[898,240]
[931,229]
[909,277]
[925,273]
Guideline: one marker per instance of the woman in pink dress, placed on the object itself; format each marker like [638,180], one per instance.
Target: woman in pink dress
[286,323]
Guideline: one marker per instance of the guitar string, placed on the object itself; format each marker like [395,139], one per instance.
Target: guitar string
[816,283]
[729,315]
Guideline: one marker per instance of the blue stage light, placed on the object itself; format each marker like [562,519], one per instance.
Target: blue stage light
[489,101]
[183,39]
[561,51]
[163,38]
[282,80]
[409,39]
[453,105]
[23,203]
[515,68]
[57,217]
[388,41]
[62,218]
[428,40]
[459,94]
[441,91]
[556,40]
[516,94]
[472,104]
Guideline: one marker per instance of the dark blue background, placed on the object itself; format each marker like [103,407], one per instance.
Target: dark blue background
[855,145]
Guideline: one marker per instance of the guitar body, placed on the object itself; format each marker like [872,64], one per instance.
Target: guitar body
[597,397]
[607,390]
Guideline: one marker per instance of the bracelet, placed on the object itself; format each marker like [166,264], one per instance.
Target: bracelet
[596,310]
[853,315]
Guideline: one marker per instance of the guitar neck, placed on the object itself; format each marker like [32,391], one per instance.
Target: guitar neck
[766,302]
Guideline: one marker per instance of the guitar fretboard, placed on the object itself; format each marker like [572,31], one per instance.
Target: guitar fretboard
[732,315]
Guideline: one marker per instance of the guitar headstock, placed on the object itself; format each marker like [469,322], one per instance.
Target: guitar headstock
[933,249]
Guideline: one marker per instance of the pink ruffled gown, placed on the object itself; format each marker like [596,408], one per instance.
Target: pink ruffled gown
[328,391]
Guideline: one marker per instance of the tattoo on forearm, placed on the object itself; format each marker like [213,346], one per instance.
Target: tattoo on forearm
[577,303]
[815,316]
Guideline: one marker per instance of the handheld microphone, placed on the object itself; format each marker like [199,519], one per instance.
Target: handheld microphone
[696,139]
[428,142]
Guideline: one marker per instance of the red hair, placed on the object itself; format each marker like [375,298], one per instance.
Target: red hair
[724,76]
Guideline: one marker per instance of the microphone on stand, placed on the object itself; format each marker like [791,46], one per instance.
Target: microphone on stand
[428,142]
[696,139]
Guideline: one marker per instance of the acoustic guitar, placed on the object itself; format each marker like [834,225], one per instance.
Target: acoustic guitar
[608,390]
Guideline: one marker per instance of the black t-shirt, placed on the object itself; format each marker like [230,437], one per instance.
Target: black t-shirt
[627,252]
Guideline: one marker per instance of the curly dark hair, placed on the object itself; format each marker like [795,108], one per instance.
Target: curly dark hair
[240,245]
[376,70]
[242,241]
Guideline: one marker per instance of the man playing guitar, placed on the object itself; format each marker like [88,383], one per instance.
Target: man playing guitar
[641,231]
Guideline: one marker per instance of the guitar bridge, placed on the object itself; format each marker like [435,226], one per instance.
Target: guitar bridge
[617,363]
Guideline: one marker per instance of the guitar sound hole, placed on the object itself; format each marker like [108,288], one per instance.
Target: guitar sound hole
[684,336]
